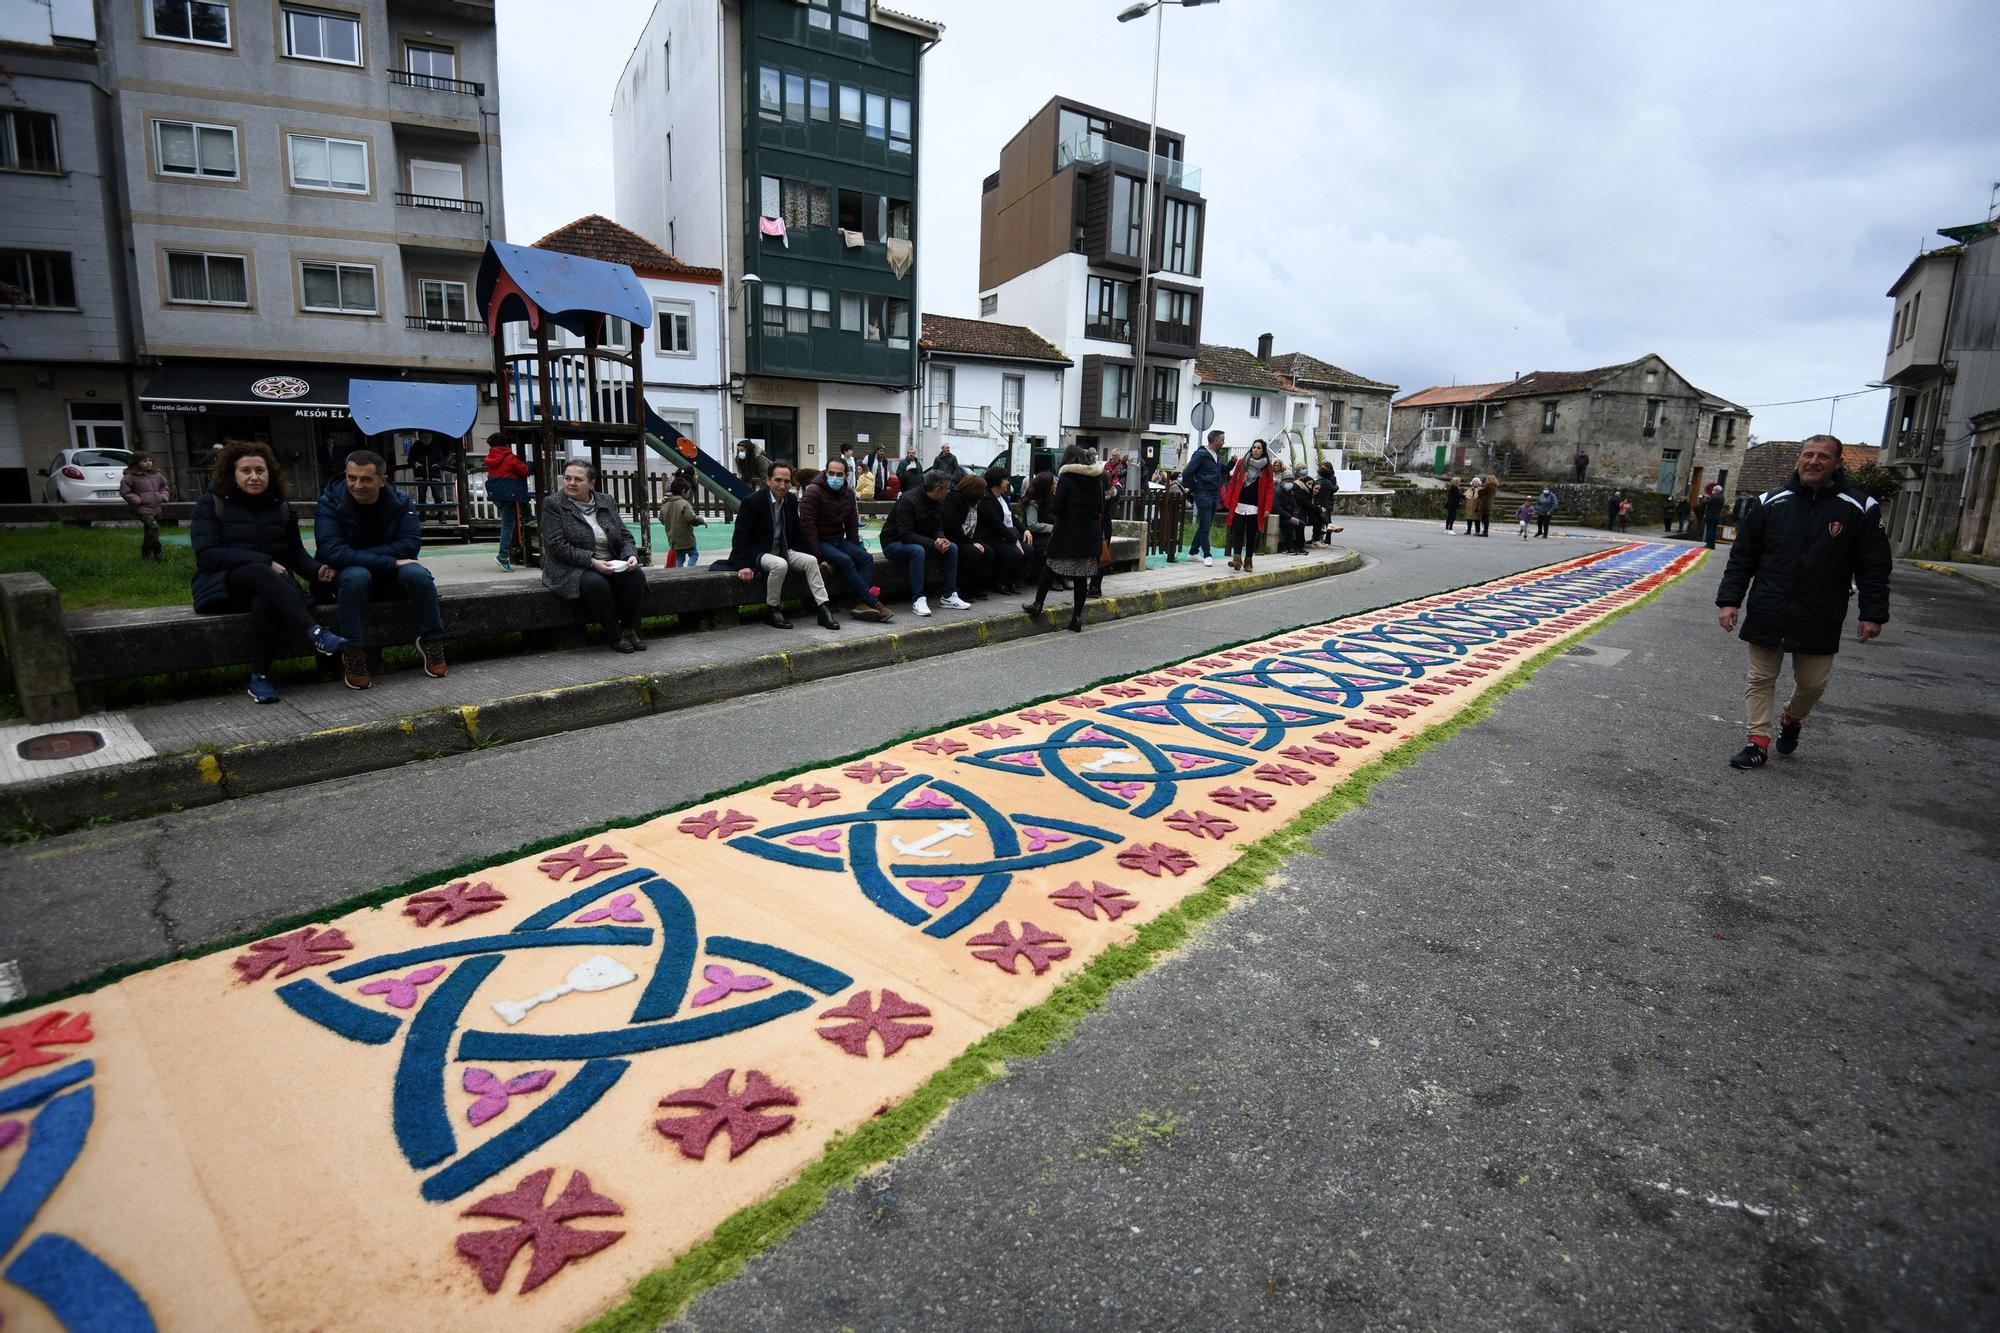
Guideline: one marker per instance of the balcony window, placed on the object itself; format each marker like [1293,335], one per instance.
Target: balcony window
[199,278]
[850,105]
[822,309]
[770,93]
[821,100]
[1173,316]
[675,322]
[28,142]
[203,22]
[444,302]
[1180,246]
[878,115]
[189,148]
[1107,311]
[850,313]
[895,219]
[1164,401]
[795,98]
[899,125]
[311,34]
[44,278]
[430,66]
[854,19]
[855,211]
[795,204]
[444,181]
[1653,406]
[1128,216]
[339,289]
[770,197]
[1115,393]
[819,13]
[320,163]
[899,324]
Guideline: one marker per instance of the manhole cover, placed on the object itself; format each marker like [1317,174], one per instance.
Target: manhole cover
[61,745]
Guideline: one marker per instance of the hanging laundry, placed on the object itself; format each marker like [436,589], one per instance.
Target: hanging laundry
[774,227]
[901,255]
[853,240]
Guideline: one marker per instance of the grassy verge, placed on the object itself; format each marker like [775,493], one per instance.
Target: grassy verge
[98,567]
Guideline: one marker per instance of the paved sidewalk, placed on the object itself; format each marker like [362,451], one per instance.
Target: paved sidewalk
[1979,576]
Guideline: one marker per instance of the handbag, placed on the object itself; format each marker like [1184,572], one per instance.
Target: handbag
[1104,553]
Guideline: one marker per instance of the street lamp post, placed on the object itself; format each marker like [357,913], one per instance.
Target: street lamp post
[1138,10]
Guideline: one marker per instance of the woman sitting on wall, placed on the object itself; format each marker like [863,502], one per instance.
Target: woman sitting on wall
[246,550]
[589,555]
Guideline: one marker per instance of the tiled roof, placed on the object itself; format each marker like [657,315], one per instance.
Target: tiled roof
[1715,404]
[1449,395]
[1545,382]
[883,11]
[984,337]
[1768,464]
[1233,365]
[1942,252]
[595,236]
[1305,369]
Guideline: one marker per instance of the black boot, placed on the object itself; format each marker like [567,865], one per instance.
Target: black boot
[826,620]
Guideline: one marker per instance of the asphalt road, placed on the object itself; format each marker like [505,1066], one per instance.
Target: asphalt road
[150,888]
[1572,1027]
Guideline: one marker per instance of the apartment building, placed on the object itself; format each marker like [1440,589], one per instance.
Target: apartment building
[66,340]
[310,188]
[992,391]
[777,141]
[1943,368]
[1062,249]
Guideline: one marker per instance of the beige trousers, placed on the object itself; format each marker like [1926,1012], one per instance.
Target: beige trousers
[1809,677]
[776,567]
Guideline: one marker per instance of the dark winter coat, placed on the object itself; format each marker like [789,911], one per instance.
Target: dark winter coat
[827,515]
[1291,503]
[993,529]
[915,518]
[143,492]
[1202,477]
[1454,499]
[242,530]
[1077,512]
[372,537]
[957,514]
[1796,555]
[756,523]
[568,546]
[1711,508]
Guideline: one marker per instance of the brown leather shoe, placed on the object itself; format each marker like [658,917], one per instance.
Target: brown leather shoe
[354,668]
[433,654]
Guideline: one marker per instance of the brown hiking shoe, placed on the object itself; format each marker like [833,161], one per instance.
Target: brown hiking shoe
[354,668]
[878,614]
[433,652]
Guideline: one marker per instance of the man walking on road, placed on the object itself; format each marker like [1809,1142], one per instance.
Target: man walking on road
[1202,480]
[1797,551]
[1711,515]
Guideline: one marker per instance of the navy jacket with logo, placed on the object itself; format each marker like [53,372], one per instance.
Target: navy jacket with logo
[1797,554]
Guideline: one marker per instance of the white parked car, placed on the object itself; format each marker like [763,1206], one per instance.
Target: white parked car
[85,476]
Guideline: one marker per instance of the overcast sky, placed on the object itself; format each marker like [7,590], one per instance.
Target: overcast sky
[1429,193]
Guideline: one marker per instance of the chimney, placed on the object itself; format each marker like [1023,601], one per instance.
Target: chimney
[1264,347]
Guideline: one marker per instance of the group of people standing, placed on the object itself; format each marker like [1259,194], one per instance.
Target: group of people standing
[1247,493]
[1474,495]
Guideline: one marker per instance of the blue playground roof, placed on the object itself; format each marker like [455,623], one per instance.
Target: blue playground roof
[566,289]
[379,406]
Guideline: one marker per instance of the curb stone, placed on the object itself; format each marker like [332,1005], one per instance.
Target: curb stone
[208,776]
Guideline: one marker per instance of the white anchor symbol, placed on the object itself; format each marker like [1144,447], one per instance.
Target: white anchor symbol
[1110,758]
[594,973]
[924,846]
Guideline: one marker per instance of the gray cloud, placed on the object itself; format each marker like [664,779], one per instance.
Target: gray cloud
[1430,192]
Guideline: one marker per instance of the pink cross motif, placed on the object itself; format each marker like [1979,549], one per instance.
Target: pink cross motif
[996,731]
[1187,760]
[1043,715]
[1083,701]
[1093,736]
[725,981]
[937,745]
[618,909]
[927,800]
[1124,791]
[1123,691]
[1022,760]
[936,891]
[494,1094]
[798,793]
[1040,839]
[876,772]
[826,840]
[401,992]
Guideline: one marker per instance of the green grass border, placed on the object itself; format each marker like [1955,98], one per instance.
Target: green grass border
[664,1294]
[472,865]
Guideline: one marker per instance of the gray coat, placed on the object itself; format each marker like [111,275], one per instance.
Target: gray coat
[568,545]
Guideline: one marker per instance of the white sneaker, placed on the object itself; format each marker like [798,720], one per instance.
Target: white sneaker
[1208,560]
[921,606]
[955,603]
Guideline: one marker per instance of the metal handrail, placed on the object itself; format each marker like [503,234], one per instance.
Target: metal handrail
[437,324]
[439,201]
[411,79]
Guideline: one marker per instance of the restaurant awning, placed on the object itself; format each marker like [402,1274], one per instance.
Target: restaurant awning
[380,406]
[317,392]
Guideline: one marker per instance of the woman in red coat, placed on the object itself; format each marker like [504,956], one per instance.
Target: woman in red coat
[1246,498]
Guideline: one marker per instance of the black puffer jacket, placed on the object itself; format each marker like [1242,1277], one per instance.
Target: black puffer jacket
[242,530]
[1797,553]
[1078,511]
[914,518]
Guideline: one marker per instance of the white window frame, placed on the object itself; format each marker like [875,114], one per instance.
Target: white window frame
[430,49]
[875,115]
[901,143]
[458,168]
[1256,406]
[339,267]
[289,12]
[666,311]
[208,285]
[292,141]
[11,119]
[197,127]
[228,25]
[445,320]
[840,105]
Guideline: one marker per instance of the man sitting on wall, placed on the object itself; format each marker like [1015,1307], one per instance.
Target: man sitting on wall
[369,533]
[914,533]
[769,539]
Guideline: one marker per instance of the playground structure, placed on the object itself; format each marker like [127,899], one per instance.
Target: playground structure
[552,394]
[396,407]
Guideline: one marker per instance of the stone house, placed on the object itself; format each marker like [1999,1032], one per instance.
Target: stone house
[1354,411]
[1768,464]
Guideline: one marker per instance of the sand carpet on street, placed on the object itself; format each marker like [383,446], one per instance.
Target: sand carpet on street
[514,1094]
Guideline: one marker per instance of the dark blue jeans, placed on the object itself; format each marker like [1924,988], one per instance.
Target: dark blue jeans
[855,564]
[1204,523]
[412,583]
[508,494]
[914,555]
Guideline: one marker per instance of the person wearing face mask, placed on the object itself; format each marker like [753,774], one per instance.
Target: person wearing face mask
[1293,507]
[589,556]
[751,464]
[830,532]
[1247,499]
[246,550]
